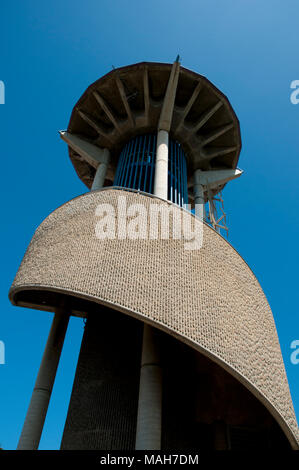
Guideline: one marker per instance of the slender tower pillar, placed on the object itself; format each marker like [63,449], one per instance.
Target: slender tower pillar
[148,433]
[36,414]
[101,171]
[161,174]
[198,195]
[149,417]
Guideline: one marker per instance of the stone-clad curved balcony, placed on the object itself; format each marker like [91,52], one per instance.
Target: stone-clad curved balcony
[208,297]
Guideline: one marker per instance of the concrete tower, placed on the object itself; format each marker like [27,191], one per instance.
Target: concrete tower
[180,349]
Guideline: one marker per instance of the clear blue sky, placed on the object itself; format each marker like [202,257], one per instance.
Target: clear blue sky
[50,52]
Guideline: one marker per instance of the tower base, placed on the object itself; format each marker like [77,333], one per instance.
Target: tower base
[204,407]
[103,407]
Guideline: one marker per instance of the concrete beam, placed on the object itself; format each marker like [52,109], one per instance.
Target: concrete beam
[124,98]
[106,109]
[217,133]
[214,178]
[91,153]
[206,116]
[92,123]
[146,93]
[168,103]
[213,152]
[189,104]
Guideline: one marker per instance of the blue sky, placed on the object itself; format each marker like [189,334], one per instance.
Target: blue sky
[50,52]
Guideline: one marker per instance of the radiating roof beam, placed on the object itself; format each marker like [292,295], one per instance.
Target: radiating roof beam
[206,116]
[217,133]
[123,96]
[168,103]
[97,127]
[146,93]
[106,109]
[218,151]
[90,153]
[189,104]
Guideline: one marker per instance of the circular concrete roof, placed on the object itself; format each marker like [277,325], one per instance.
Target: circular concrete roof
[128,101]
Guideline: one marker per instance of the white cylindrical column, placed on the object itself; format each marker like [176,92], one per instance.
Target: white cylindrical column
[161,170]
[149,417]
[100,175]
[198,190]
[36,414]
[148,433]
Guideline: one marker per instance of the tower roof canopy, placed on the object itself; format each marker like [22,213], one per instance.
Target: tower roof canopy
[128,101]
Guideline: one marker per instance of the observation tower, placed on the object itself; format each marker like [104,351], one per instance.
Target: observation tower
[180,349]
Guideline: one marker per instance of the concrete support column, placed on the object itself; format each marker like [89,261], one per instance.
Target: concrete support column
[161,170]
[149,417]
[36,414]
[148,434]
[198,190]
[101,171]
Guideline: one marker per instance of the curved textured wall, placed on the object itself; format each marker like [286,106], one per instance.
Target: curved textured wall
[208,298]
